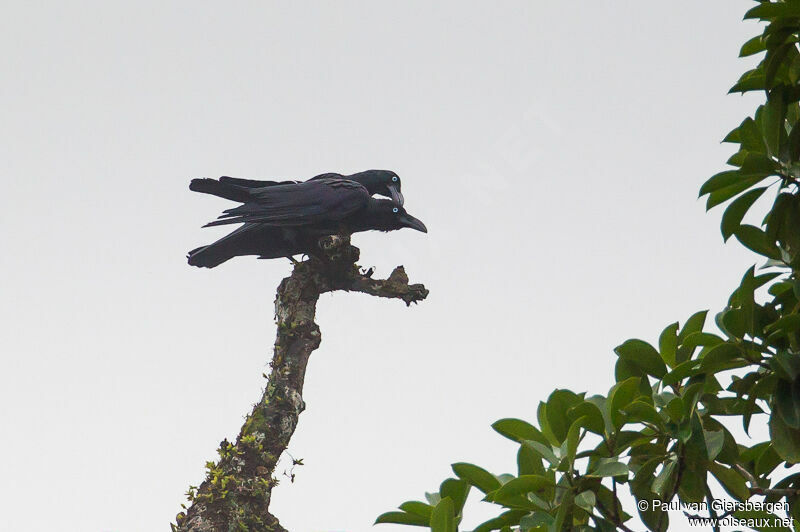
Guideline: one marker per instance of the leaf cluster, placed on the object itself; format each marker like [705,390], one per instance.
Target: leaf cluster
[661,432]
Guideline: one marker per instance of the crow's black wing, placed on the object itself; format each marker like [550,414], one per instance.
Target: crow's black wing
[313,201]
[258,183]
[254,183]
[244,190]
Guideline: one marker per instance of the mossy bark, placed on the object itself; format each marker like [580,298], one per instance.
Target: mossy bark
[235,495]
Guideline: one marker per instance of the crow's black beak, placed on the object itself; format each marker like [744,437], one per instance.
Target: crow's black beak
[397,197]
[409,221]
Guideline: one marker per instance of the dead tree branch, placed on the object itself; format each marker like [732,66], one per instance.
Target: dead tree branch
[236,492]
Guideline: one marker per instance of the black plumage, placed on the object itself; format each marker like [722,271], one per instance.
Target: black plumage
[381,182]
[292,218]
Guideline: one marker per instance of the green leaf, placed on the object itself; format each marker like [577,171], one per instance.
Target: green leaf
[643,355]
[621,396]
[675,410]
[733,322]
[418,508]
[785,325]
[794,77]
[609,468]
[767,462]
[573,438]
[695,451]
[730,480]
[529,462]
[644,476]
[753,46]
[523,485]
[757,240]
[668,344]
[738,158]
[758,164]
[720,354]
[736,211]
[720,181]
[602,404]
[402,518]
[771,10]
[544,424]
[694,324]
[681,371]
[509,518]
[539,521]
[724,194]
[594,417]
[640,411]
[690,396]
[586,500]
[788,364]
[751,139]
[654,519]
[624,370]
[564,513]
[693,485]
[665,481]
[557,405]
[750,81]
[787,402]
[701,338]
[775,108]
[477,476]
[518,430]
[544,451]
[785,440]
[733,137]
[794,136]
[443,518]
[456,491]
[715,440]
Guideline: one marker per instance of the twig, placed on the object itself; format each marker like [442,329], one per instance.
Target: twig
[746,474]
[756,490]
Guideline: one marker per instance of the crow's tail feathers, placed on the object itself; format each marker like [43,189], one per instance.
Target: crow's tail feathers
[221,189]
[208,256]
[231,245]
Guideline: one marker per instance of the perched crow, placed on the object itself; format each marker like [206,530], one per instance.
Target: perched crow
[382,182]
[292,218]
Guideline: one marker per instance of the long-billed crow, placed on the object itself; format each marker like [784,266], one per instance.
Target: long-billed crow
[381,182]
[293,217]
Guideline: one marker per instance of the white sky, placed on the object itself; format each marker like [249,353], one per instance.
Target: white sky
[554,151]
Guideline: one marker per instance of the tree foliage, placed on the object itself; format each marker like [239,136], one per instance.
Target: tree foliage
[659,433]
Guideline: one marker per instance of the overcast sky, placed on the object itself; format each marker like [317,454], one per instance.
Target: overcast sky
[554,151]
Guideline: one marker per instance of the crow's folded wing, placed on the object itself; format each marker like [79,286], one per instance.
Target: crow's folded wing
[258,183]
[313,201]
[253,183]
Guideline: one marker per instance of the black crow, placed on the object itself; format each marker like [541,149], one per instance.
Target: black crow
[381,182]
[293,217]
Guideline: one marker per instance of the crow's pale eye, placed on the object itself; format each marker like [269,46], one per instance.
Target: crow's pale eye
[395,210]
[394,179]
